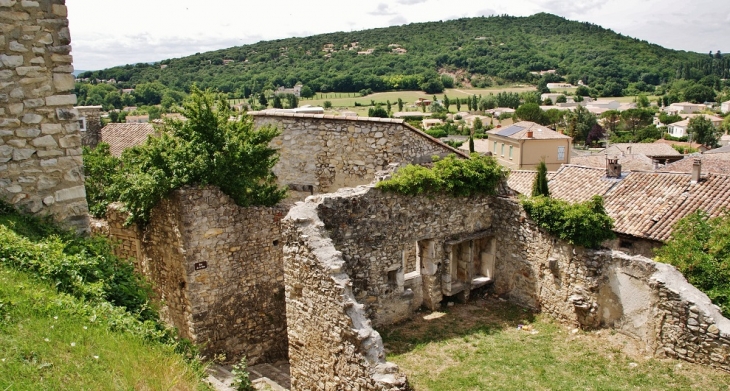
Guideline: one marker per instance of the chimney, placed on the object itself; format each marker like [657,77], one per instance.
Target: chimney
[696,170]
[628,150]
[613,169]
[529,134]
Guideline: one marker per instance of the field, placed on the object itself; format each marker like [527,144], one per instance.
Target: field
[478,346]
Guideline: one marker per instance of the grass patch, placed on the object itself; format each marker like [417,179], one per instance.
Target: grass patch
[48,342]
[479,347]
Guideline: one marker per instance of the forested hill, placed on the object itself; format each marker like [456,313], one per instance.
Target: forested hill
[485,50]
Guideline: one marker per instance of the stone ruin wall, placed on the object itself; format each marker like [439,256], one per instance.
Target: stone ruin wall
[328,152]
[217,268]
[91,116]
[40,145]
[649,301]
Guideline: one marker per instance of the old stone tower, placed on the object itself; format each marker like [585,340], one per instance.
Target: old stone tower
[40,146]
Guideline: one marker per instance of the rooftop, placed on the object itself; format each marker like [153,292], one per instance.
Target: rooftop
[633,162]
[126,135]
[717,164]
[648,149]
[518,131]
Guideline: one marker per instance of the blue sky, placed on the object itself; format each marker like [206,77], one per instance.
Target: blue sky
[106,33]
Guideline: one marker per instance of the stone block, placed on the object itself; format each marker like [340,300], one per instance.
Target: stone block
[32,80]
[61,100]
[17,143]
[63,82]
[64,69]
[64,36]
[14,16]
[20,154]
[45,39]
[31,118]
[17,93]
[60,10]
[70,194]
[62,58]
[48,201]
[15,108]
[51,128]
[29,4]
[51,153]
[7,3]
[44,142]
[9,122]
[68,114]
[16,46]
[11,61]
[6,74]
[71,141]
[46,182]
[28,71]
[38,61]
[28,133]
[6,153]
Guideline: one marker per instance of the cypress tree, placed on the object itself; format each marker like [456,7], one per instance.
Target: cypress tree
[540,185]
[471,143]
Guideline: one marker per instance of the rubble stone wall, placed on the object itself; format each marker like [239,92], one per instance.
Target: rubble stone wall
[375,230]
[91,118]
[329,152]
[650,301]
[217,268]
[332,345]
[40,145]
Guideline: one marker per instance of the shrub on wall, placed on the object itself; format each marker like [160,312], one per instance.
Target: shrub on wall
[584,224]
[100,168]
[451,175]
[206,148]
[700,249]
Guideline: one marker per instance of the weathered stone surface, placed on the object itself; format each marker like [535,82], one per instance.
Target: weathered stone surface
[35,82]
[61,100]
[44,142]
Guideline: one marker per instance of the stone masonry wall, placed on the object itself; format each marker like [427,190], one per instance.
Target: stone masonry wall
[332,345]
[650,301]
[40,147]
[91,116]
[329,152]
[218,269]
[374,230]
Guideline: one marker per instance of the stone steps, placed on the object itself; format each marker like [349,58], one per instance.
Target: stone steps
[269,377]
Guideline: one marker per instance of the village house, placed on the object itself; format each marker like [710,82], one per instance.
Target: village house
[659,153]
[684,108]
[725,107]
[137,119]
[296,90]
[430,123]
[524,144]
[679,129]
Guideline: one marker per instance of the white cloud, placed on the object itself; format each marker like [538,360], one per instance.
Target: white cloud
[410,2]
[382,10]
[398,20]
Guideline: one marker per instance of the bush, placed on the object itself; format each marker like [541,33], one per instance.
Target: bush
[437,132]
[207,148]
[100,167]
[700,249]
[451,175]
[584,224]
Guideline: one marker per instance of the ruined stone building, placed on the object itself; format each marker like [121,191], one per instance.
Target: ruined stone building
[310,281]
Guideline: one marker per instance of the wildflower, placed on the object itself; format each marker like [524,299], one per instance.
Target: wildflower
[73,344]
[86,328]
[55,317]
[47,340]
[96,357]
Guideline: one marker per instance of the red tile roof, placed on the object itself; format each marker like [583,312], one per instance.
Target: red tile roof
[644,204]
[123,136]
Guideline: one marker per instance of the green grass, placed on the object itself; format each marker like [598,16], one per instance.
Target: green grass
[478,347]
[73,316]
[45,343]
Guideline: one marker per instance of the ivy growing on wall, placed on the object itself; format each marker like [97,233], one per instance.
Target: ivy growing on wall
[584,224]
[451,175]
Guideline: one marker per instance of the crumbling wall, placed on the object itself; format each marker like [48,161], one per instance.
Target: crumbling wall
[377,231]
[332,345]
[650,301]
[217,268]
[328,152]
[40,146]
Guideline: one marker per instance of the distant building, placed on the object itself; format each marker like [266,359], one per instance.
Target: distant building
[137,119]
[725,107]
[296,91]
[679,129]
[684,108]
[523,145]
[430,123]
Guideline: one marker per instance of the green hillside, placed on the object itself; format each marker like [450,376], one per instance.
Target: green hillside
[481,51]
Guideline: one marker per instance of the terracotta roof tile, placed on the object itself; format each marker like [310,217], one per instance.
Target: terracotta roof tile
[519,131]
[633,162]
[577,183]
[648,149]
[123,136]
[717,164]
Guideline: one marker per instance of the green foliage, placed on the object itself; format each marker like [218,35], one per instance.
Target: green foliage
[378,111]
[327,104]
[207,148]
[516,46]
[452,176]
[540,185]
[703,131]
[437,132]
[241,380]
[684,150]
[700,249]
[453,143]
[100,167]
[584,224]
[533,113]
[83,268]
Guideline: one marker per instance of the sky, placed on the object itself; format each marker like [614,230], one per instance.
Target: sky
[107,33]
